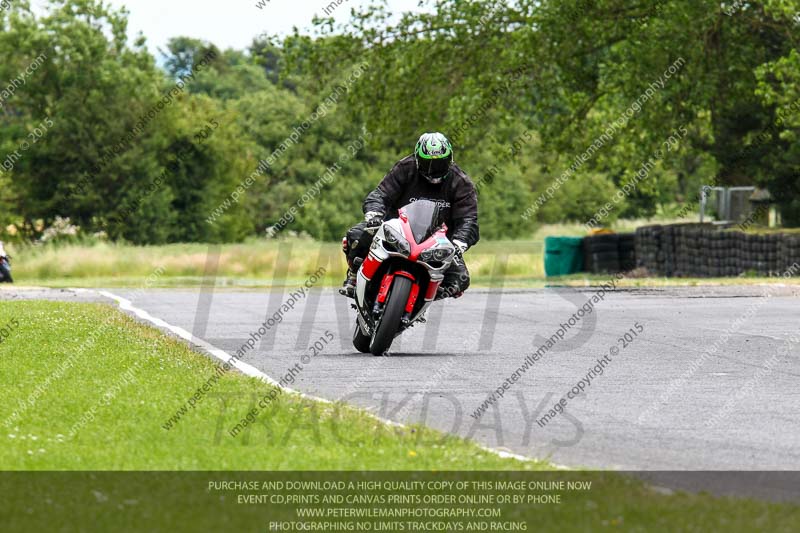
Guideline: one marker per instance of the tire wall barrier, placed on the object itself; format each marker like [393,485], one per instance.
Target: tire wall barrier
[704,250]
[609,253]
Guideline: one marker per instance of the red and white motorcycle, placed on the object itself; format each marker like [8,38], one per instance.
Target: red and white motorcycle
[397,282]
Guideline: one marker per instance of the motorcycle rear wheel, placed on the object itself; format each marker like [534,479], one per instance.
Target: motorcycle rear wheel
[392,313]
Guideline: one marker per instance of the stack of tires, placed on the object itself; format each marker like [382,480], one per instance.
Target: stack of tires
[609,253]
[601,253]
[627,251]
[715,253]
[770,246]
[692,250]
[666,256]
[648,247]
[687,240]
[748,262]
[730,258]
[703,250]
[700,250]
[759,254]
[789,252]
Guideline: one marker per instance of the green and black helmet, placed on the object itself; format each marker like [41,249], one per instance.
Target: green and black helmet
[434,156]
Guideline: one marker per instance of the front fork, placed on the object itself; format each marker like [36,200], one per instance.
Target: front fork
[383,293]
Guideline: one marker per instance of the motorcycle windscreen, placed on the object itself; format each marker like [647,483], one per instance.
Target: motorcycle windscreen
[424,217]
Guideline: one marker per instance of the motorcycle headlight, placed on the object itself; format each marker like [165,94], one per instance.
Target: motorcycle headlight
[442,254]
[394,241]
[439,255]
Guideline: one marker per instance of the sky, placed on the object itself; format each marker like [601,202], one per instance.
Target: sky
[230,23]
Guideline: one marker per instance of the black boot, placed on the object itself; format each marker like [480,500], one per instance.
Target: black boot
[349,286]
[451,291]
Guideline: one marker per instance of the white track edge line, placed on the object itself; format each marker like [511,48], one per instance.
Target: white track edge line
[249,370]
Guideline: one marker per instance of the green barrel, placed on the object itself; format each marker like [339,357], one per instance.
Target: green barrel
[563,255]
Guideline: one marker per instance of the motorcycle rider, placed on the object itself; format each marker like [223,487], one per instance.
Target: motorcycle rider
[427,174]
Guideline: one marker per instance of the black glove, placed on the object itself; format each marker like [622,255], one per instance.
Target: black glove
[373,219]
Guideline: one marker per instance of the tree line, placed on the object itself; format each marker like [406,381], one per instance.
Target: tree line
[208,145]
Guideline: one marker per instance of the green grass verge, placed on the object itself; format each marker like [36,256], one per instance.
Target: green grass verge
[253,265]
[75,359]
[116,381]
[272,263]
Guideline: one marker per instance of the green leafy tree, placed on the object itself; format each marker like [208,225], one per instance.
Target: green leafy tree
[88,94]
[582,64]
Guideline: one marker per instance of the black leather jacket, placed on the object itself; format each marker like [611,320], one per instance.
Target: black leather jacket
[456,195]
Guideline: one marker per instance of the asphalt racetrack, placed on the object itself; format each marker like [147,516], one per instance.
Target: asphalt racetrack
[707,378]
[708,383]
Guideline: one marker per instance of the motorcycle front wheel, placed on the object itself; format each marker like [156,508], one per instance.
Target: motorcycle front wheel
[392,313]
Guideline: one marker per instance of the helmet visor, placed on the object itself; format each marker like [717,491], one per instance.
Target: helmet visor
[434,169]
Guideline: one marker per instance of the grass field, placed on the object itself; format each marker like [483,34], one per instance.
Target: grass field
[61,361]
[267,263]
